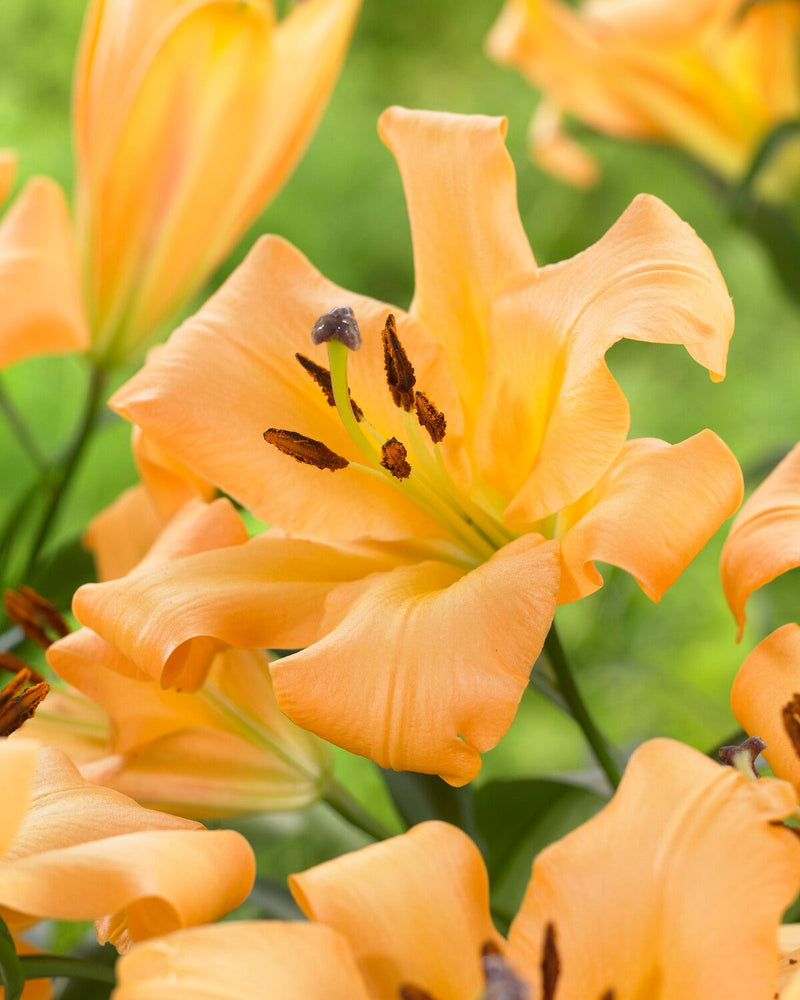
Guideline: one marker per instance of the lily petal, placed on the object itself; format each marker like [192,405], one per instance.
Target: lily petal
[229,373]
[650,515]
[269,592]
[552,417]
[18,761]
[444,682]
[8,172]
[764,540]
[241,960]
[686,850]
[39,283]
[414,909]
[763,695]
[120,536]
[467,234]
[83,852]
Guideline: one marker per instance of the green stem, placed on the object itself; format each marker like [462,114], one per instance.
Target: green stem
[69,463]
[49,966]
[577,707]
[22,432]
[342,802]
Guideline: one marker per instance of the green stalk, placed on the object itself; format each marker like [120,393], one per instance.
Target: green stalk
[22,432]
[577,707]
[49,966]
[342,802]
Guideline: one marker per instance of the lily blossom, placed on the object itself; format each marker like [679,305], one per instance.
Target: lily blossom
[674,889]
[42,308]
[188,118]
[71,850]
[764,540]
[713,77]
[421,560]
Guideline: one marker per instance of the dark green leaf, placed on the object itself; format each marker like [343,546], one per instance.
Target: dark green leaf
[11,973]
[420,797]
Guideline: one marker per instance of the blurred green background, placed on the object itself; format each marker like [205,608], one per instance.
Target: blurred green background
[646,669]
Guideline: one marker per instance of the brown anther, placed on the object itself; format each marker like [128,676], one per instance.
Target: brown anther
[305,449]
[744,753]
[338,324]
[502,982]
[36,616]
[791,721]
[550,964]
[323,379]
[395,460]
[429,417]
[609,995]
[18,702]
[409,992]
[399,370]
[13,664]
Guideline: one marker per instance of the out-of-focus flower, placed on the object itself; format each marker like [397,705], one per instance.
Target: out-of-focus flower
[188,118]
[71,850]
[224,749]
[423,574]
[42,308]
[686,852]
[764,540]
[712,76]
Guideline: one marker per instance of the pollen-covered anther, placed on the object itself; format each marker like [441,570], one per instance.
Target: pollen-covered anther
[395,458]
[407,991]
[18,701]
[40,620]
[323,379]
[338,324]
[305,449]
[429,417]
[791,721]
[550,964]
[399,370]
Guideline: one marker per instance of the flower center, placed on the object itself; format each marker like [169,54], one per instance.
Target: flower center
[416,466]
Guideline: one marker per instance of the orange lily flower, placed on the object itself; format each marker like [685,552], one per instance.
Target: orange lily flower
[189,116]
[764,540]
[42,310]
[712,76]
[423,575]
[71,850]
[225,749]
[675,889]
[766,702]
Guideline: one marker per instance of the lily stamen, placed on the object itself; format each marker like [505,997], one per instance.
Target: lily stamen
[19,699]
[305,449]
[399,370]
[323,379]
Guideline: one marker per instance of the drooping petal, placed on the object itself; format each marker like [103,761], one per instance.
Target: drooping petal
[8,172]
[764,540]
[18,763]
[650,515]
[269,592]
[467,234]
[229,373]
[84,852]
[121,534]
[552,149]
[765,699]
[414,909]
[241,960]
[686,852]
[552,417]
[39,284]
[425,669]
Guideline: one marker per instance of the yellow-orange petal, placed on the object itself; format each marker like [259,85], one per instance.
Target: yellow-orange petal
[763,699]
[8,172]
[764,540]
[650,514]
[121,534]
[444,682]
[465,226]
[39,282]
[168,481]
[173,618]
[17,768]
[686,851]
[242,960]
[553,418]
[84,852]
[552,149]
[414,909]
[229,373]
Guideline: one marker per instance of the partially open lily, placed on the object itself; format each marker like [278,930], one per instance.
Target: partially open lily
[674,890]
[422,562]
[189,116]
[711,76]
[71,850]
